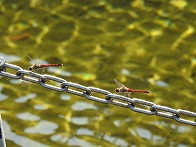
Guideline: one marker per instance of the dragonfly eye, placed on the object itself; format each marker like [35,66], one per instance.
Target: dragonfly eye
[117,90]
[30,68]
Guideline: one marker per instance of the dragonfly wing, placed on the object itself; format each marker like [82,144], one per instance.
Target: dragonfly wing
[118,83]
[32,59]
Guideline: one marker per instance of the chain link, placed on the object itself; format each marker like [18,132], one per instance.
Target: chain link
[53,78]
[133,107]
[133,104]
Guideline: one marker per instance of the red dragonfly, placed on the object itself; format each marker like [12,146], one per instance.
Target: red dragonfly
[123,90]
[39,66]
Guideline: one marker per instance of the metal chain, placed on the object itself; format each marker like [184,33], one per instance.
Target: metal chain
[146,107]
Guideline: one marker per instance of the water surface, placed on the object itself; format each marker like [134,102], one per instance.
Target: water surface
[144,44]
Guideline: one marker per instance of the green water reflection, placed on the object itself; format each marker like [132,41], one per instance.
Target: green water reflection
[144,44]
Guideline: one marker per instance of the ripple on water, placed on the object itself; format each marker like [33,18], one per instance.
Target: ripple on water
[43,127]
[81,106]
[28,116]
[25,98]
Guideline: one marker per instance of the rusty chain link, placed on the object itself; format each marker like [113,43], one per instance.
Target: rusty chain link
[148,107]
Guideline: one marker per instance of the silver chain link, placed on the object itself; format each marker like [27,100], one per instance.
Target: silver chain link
[148,107]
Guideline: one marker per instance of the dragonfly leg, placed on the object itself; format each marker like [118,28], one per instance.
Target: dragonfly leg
[127,94]
[44,69]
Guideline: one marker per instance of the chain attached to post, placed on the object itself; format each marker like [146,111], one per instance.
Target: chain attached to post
[109,98]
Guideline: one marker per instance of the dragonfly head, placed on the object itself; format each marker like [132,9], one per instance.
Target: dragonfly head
[117,90]
[121,90]
[30,68]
